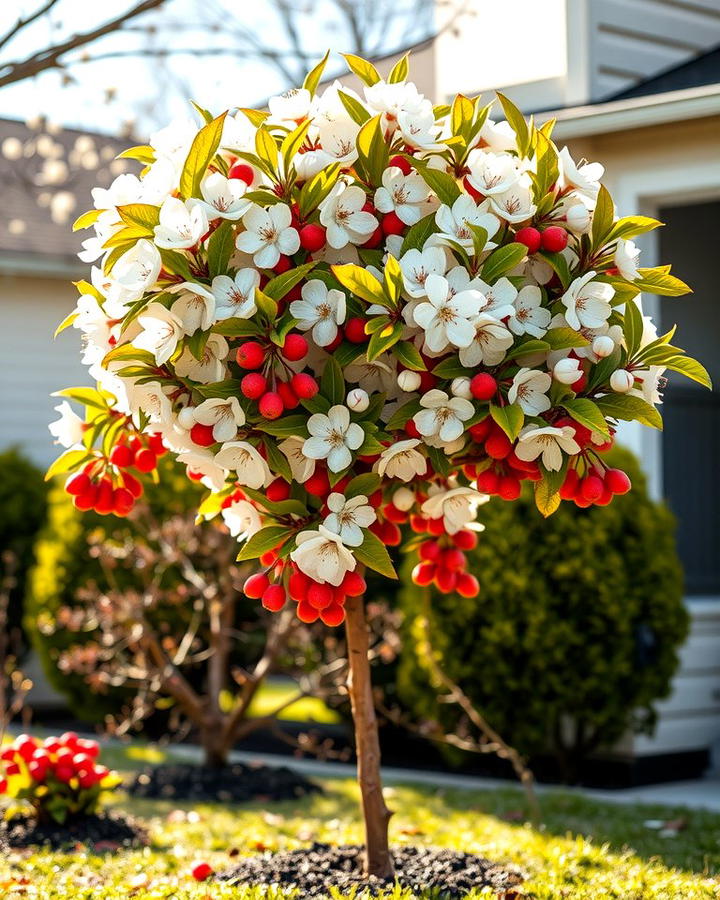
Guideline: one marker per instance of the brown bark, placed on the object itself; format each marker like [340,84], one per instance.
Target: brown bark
[378,860]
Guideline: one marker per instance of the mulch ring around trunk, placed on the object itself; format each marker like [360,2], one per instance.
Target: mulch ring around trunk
[105,831]
[236,783]
[315,870]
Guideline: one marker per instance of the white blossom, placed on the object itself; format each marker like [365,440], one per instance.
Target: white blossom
[447,318]
[454,222]
[548,443]
[235,297]
[529,316]
[211,365]
[402,194]
[321,309]
[457,507]
[242,519]
[268,235]
[442,415]
[402,460]
[587,302]
[322,556]
[301,466]
[343,216]
[348,517]
[224,414]
[69,428]
[181,224]
[332,437]
[529,390]
[416,265]
[627,256]
[492,173]
[242,458]
[223,197]
[195,307]
[491,342]
[162,330]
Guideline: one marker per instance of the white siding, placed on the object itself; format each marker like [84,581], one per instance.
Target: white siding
[33,365]
[634,39]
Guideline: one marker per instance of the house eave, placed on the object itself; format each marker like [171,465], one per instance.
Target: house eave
[635,112]
[39,266]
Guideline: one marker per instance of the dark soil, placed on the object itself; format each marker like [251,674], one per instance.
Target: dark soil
[318,868]
[104,831]
[236,783]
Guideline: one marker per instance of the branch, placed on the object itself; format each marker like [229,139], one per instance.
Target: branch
[28,20]
[458,696]
[50,57]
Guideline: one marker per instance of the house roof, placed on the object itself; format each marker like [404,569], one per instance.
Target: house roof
[697,72]
[46,175]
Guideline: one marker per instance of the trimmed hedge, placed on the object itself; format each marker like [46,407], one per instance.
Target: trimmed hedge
[576,630]
[23,507]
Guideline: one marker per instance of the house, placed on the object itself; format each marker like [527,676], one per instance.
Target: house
[633,83]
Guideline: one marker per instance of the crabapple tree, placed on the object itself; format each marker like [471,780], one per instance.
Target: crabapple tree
[358,310]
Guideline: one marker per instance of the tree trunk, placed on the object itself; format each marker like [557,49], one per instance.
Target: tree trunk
[378,861]
[214,750]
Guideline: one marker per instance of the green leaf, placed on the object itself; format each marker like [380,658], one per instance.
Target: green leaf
[399,71]
[632,226]
[373,151]
[373,554]
[205,114]
[690,368]
[360,282]
[354,107]
[502,260]
[70,459]
[196,342]
[292,143]
[534,345]
[87,219]
[365,484]
[586,413]
[393,279]
[383,340]
[266,539]
[314,76]
[564,339]
[175,262]
[66,323]
[88,396]
[230,387]
[286,426]
[559,265]
[442,184]
[509,418]
[332,383]
[409,356]
[277,461]
[547,499]
[632,328]
[202,150]
[266,305]
[402,415]
[142,214]
[314,191]
[517,122]
[282,284]
[418,234]
[365,71]
[235,327]
[220,248]
[629,409]
[602,220]
[451,368]
[660,281]
[266,148]
[143,153]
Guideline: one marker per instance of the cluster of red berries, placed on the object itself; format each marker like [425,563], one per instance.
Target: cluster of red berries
[596,487]
[68,759]
[504,475]
[273,394]
[104,484]
[314,600]
[553,239]
[442,561]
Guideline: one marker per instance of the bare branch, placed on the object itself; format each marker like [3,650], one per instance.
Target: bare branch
[28,20]
[51,57]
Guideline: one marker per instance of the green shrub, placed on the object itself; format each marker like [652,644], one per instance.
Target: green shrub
[65,564]
[576,630]
[23,506]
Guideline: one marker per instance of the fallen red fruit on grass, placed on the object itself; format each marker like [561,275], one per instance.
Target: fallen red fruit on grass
[202,871]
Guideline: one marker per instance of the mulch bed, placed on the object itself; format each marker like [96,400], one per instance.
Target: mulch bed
[102,832]
[315,870]
[236,783]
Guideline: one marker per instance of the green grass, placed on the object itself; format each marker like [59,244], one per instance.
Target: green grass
[584,850]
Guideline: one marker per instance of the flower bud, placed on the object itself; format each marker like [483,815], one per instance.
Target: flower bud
[357,400]
[621,381]
[460,387]
[408,381]
[186,417]
[577,218]
[603,346]
[403,499]
[567,371]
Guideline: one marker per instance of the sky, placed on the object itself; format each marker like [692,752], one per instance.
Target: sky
[146,93]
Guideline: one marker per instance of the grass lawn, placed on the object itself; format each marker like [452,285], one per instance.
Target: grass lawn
[583,850]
